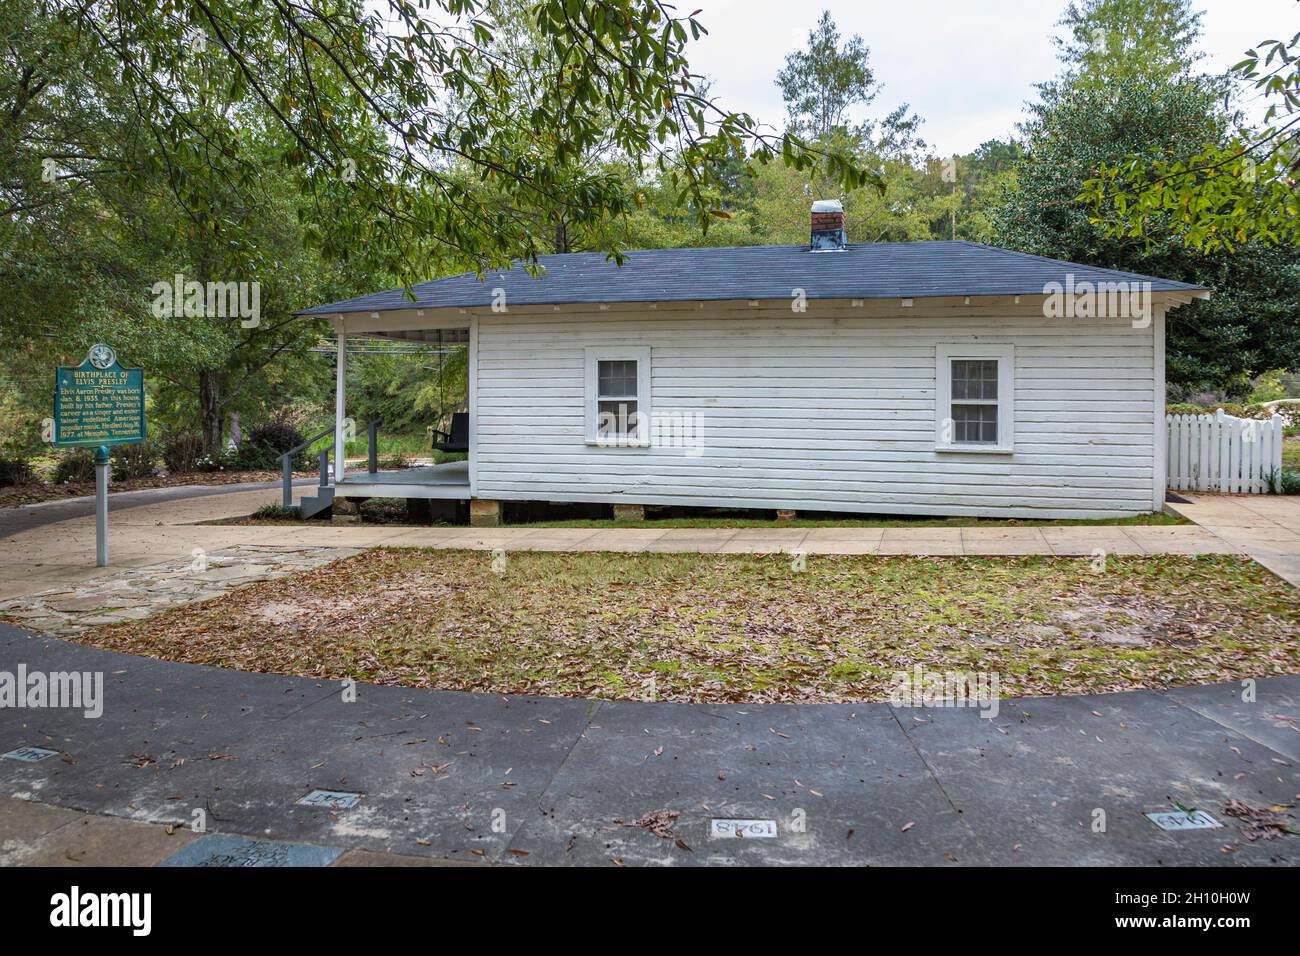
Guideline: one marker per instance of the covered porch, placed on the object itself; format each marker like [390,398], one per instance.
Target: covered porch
[449,480]
[441,330]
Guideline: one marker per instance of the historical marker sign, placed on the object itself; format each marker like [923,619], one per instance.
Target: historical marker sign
[99,403]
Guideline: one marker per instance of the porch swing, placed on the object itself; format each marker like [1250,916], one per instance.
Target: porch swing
[456,440]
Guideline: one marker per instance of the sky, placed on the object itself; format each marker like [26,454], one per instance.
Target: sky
[966,66]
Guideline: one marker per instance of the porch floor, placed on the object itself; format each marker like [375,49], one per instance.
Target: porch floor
[448,480]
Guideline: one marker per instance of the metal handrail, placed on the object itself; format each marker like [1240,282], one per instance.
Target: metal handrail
[310,441]
[286,466]
[286,460]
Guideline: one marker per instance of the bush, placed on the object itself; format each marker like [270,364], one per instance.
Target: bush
[75,465]
[265,443]
[1229,408]
[218,462]
[1289,484]
[16,471]
[274,513]
[181,452]
[133,461]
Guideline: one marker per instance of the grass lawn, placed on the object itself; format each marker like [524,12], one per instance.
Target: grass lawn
[1291,454]
[693,627]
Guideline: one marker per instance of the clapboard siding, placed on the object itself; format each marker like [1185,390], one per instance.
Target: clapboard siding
[832,409]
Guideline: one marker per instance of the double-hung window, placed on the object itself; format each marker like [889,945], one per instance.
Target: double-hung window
[973,398]
[618,396]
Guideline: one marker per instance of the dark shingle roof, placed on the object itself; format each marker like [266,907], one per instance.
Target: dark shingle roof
[883,270]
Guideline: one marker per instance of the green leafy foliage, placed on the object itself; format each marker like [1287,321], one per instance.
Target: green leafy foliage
[1118,40]
[399,109]
[133,461]
[266,443]
[76,464]
[321,150]
[15,471]
[181,451]
[1227,190]
[1248,325]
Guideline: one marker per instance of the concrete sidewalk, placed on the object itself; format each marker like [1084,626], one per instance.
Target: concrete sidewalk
[60,554]
[1267,527]
[484,778]
[27,517]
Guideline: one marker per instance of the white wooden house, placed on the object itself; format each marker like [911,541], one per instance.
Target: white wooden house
[927,378]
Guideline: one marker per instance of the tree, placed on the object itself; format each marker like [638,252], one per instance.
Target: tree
[86,239]
[969,188]
[904,212]
[824,81]
[387,109]
[1109,41]
[524,60]
[821,83]
[1226,191]
[1133,104]
[1248,326]
[302,146]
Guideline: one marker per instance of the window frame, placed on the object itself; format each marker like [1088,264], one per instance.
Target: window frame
[591,393]
[945,355]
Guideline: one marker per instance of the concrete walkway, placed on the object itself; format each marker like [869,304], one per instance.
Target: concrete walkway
[47,556]
[445,776]
[26,517]
[1267,527]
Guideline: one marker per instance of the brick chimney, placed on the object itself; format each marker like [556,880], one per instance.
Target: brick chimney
[827,226]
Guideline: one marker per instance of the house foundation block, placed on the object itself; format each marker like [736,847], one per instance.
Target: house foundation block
[484,513]
[629,512]
[346,511]
[785,515]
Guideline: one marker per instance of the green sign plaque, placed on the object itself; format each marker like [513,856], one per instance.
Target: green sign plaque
[99,402]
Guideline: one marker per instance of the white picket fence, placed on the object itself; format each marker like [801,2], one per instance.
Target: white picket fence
[1223,453]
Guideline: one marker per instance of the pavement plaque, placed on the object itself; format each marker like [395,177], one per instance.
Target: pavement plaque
[330,799]
[724,829]
[1184,820]
[29,754]
[221,850]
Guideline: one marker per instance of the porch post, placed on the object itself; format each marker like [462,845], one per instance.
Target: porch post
[340,407]
[1160,436]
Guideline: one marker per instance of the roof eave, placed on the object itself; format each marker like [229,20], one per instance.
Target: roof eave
[428,316]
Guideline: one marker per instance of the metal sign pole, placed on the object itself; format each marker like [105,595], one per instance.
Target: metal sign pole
[101,506]
[99,404]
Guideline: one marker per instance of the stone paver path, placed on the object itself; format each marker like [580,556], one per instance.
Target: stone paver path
[136,593]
